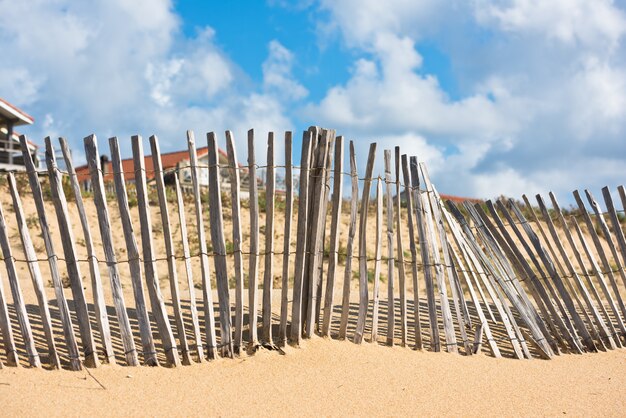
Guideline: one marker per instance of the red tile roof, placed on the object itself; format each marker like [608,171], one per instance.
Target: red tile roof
[169,160]
[459,199]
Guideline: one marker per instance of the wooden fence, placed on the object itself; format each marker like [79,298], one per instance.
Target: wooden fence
[514,280]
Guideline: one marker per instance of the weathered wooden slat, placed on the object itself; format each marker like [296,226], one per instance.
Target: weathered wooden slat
[347,276]
[335,228]
[507,279]
[410,184]
[323,215]
[149,260]
[134,261]
[604,332]
[563,275]
[195,322]
[102,319]
[377,258]
[455,285]
[253,260]
[268,270]
[233,171]
[491,257]
[391,306]
[316,229]
[538,291]
[579,324]
[457,294]
[363,282]
[296,307]
[18,298]
[219,248]
[483,325]
[69,250]
[617,228]
[608,237]
[563,321]
[313,164]
[583,268]
[479,259]
[510,263]
[35,187]
[93,161]
[426,262]
[490,275]
[446,313]
[486,282]
[284,291]
[207,293]
[7,331]
[600,277]
[608,270]
[169,248]
[622,195]
[35,273]
[401,266]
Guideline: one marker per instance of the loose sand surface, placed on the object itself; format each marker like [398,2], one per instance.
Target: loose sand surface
[330,378]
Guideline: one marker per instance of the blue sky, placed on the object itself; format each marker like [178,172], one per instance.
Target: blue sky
[498,97]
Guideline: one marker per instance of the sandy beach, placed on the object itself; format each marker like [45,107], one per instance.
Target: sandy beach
[330,378]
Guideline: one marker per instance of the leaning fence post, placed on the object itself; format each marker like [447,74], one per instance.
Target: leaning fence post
[427,264]
[149,261]
[69,250]
[284,299]
[603,258]
[268,268]
[102,318]
[35,274]
[169,247]
[316,229]
[190,285]
[7,331]
[207,293]
[303,203]
[219,248]
[411,189]
[448,324]
[601,281]
[134,261]
[253,261]
[93,161]
[52,257]
[401,266]
[570,267]
[391,306]
[347,277]
[377,257]
[607,236]
[334,236]
[18,298]
[233,171]
[363,290]
[617,228]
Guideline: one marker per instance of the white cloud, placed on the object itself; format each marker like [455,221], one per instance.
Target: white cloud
[595,23]
[277,75]
[114,67]
[541,89]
